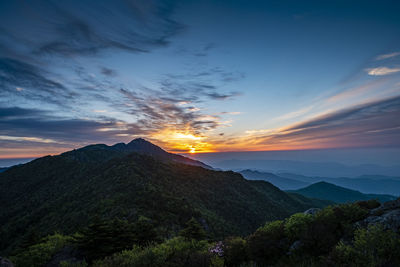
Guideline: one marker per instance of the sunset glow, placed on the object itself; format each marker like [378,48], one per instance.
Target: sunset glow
[308,82]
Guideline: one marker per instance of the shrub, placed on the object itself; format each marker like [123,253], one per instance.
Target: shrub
[172,253]
[235,251]
[296,226]
[104,238]
[193,230]
[368,204]
[39,254]
[374,246]
[268,243]
[323,233]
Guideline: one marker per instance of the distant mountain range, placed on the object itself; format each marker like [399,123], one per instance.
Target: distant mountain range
[338,194]
[65,192]
[367,184]
[325,169]
[279,181]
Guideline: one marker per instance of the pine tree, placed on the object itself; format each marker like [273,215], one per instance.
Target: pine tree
[193,230]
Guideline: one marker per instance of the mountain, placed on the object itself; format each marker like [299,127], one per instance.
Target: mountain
[281,182]
[139,146]
[367,184]
[325,169]
[66,192]
[338,194]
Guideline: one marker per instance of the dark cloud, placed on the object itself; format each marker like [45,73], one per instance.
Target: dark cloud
[14,73]
[19,122]
[71,28]
[108,72]
[218,96]
[42,54]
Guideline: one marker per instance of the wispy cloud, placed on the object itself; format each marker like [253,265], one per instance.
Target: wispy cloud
[389,55]
[371,124]
[380,71]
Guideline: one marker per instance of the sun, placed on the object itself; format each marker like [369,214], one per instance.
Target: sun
[181,141]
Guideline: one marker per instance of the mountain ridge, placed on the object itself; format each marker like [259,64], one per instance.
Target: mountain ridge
[338,194]
[65,192]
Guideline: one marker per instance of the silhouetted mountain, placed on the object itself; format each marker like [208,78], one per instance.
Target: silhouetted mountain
[281,182]
[324,190]
[65,192]
[139,146]
[367,184]
[325,169]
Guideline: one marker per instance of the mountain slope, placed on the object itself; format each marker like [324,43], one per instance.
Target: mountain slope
[138,145]
[324,190]
[367,184]
[281,182]
[63,193]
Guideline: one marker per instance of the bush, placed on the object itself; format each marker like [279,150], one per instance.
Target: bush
[39,254]
[172,253]
[235,251]
[296,226]
[352,212]
[374,246]
[368,204]
[322,233]
[104,238]
[268,243]
[193,230]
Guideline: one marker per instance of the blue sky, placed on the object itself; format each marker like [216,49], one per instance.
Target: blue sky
[199,76]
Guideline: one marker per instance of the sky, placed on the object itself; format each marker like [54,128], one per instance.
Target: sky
[199,76]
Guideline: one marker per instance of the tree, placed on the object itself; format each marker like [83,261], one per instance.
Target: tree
[372,246]
[193,230]
[103,238]
[235,251]
[144,232]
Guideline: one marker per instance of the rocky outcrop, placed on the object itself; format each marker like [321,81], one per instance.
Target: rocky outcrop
[312,211]
[5,262]
[388,215]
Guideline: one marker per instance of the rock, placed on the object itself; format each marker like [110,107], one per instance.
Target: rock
[295,246]
[389,205]
[312,211]
[389,220]
[5,262]
[388,215]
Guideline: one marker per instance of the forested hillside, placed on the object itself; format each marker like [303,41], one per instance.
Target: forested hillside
[66,193]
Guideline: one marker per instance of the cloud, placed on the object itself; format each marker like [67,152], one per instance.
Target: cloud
[31,81]
[51,63]
[35,125]
[108,72]
[372,124]
[74,28]
[380,71]
[217,96]
[155,112]
[386,56]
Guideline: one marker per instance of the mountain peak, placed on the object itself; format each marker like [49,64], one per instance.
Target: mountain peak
[144,146]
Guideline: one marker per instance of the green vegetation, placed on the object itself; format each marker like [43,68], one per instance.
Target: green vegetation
[328,238]
[66,193]
[39,254]
[338,194]
[100,207]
